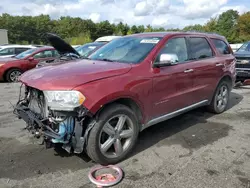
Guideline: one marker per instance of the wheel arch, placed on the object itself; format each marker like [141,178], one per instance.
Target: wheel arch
[127,101]
[226,78]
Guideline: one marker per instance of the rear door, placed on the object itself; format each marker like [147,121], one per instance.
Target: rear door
[172,85]
[206,67]
[225,53]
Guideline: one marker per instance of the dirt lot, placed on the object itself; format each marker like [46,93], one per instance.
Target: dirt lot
[197,149]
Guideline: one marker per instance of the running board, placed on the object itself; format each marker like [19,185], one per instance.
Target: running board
[174,114]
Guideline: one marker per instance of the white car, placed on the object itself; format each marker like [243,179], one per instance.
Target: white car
[13,50]
[106,38]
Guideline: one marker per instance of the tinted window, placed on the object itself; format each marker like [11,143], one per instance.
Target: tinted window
[126,49]
[221,46]
[26,53]
[86,49]
[20,50]
[175,46]
[7,51]
[200,48]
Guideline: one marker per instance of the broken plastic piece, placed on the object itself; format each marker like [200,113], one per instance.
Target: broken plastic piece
[105,180]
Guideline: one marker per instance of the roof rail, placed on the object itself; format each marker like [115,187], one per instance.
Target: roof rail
[212,33]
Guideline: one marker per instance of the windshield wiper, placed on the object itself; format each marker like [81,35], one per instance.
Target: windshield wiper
[84,57]
[105,59]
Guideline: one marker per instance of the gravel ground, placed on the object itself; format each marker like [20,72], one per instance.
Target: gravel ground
[195,150]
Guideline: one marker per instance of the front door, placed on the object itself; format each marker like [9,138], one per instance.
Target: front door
[41,56]
[172,85]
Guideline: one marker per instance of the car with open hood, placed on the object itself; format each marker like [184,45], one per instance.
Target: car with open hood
[100,104]
[11,68]
[69,52]
[242,56]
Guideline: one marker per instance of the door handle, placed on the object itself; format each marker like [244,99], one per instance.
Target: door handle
[188,70]
[219,64]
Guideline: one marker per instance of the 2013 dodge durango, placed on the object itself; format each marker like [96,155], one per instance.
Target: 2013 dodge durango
[100,104]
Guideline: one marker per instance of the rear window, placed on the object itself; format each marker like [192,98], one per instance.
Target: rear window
[200,48]
[221,46]
[20,50]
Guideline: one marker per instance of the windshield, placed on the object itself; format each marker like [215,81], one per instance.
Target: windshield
[86,49]
[26,53]
[245,47]
[126,49]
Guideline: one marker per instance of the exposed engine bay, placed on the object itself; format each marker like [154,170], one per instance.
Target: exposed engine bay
[69,128]
[61,59]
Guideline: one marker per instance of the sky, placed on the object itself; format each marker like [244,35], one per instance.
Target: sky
[158,13]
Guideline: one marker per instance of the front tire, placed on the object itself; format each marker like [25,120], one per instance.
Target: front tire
[113,136]
[220,99]
[12,75]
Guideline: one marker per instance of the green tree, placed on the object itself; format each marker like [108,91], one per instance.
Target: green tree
[227,25]
[244,27]
[140,28]
[149,28]
[211,25]
[196,27]
[134,29]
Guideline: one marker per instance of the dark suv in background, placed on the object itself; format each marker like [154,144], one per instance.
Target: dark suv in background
[100,104]
[242,56]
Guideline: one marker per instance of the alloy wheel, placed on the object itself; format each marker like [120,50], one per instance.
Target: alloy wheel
[222,98]
[116,136]
[14,75]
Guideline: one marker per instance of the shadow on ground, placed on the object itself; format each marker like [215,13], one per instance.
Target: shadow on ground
[191,130]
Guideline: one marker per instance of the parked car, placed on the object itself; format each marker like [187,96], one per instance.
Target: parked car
[69,52]
[107,38]
[12,68]
[100,104]
[13,50]
[242,56]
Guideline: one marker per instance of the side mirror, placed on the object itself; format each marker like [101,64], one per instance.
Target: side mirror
[31,58]
[167,60]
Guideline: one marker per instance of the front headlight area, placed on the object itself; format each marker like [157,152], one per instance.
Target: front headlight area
[64,100]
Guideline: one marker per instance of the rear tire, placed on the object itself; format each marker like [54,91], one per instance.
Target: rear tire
[221,98]
[109,143]
[12,75]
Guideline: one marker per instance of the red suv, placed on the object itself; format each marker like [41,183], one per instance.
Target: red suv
[99,105]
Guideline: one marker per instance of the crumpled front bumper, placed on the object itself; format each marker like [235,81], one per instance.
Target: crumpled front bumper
[34,123]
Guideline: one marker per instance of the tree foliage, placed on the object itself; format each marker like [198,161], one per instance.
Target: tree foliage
[30,29]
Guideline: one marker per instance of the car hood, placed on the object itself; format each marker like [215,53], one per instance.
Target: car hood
[242,54]
[60,45]
[67,76]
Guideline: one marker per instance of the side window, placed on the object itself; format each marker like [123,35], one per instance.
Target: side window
[200,48]
[175,46]
[55,53]
[20,50]
[43,54]
[221,46]
[7,51]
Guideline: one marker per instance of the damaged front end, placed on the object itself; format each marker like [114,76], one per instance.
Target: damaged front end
[55,124]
